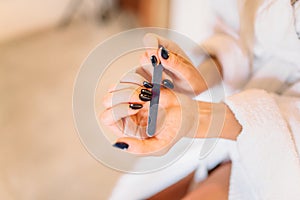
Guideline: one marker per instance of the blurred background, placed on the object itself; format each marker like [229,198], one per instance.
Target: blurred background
[42,45]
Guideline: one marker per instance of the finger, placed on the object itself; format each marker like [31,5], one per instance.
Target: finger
[113,115]
[117,128]
[168,84]
[176,66]
[152,40]
[147,61]
[149,146]
[133,78]
[130,127]
[165,137]
[145,72]
[122,86]
[147,64]
[135,127]
[122,96]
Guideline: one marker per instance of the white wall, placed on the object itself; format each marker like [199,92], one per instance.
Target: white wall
[21,17]
[191,17]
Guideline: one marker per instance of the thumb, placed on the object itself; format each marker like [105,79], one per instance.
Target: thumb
[151,40]
[150,146]
[175,65]
[169,60]
[155,41]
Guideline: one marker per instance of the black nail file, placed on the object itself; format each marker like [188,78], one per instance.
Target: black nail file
[153,111]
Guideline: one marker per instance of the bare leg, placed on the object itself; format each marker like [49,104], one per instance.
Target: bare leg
[175,191]
[215,187]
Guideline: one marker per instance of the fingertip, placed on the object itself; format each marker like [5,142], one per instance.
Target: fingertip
[168,60]
[111,87]
[150,40]
[168,84]
[121,145]
[131,145]
[164,53]
[146,147]
[171,62]
[106,102]
[116,113]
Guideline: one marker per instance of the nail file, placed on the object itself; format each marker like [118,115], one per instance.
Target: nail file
[153,111]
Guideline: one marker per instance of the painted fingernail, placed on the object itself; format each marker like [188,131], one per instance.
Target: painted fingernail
[168,84]
[121,145]
[135,106]
[153,60]
[144,97]
[164,53]
[147,84]
[146,92]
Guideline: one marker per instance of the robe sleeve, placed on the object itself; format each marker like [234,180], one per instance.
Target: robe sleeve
[267,156]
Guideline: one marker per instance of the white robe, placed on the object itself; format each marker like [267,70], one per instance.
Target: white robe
[261,65]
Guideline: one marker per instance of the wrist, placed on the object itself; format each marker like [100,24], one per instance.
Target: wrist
[216,120]
[232,128]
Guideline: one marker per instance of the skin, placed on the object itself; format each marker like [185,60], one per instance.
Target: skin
[214,187]
[178,120]
[180,115]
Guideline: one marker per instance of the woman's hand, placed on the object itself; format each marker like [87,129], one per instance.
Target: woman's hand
[126,114]
[187,78]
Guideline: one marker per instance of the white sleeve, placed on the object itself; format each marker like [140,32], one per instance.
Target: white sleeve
[232,56]
[267,154]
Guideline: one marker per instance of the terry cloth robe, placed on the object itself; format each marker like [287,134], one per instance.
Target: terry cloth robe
[260,55]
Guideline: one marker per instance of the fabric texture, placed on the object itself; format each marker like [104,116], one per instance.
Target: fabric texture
[267,150]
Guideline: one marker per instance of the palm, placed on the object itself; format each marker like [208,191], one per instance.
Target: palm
[169,120]
[136,125]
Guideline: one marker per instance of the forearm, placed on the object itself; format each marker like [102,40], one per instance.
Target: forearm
[227,60]
[211,72]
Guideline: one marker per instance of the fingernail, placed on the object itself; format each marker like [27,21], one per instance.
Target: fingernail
[135,106]
[153,60]
[147,84]
[164,53]
[121,145]
[144,97]
[168,84]
[146,92]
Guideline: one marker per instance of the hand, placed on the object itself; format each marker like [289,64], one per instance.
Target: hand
[179,116]
[187,78]
[126,114]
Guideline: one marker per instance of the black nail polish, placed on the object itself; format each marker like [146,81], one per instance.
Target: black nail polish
[164,53]
[121,145]
[168,84]
[135,106]
[146,92]
[153,60]
[144,97]
[147,84]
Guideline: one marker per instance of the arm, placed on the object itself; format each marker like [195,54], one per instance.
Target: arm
[221,117]
[179,115]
